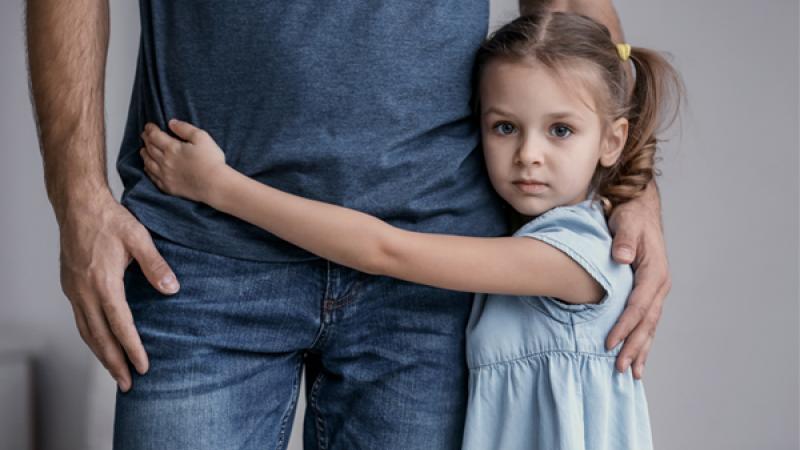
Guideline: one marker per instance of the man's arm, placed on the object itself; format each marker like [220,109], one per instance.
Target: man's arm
[67,43]
[638,233]
[639,241]
[602,11]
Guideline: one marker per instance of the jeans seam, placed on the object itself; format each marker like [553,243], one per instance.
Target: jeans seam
[321,338]
[319,422]
[327,279]
[290,409]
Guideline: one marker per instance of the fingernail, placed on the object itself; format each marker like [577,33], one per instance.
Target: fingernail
[625,252]
[169,284]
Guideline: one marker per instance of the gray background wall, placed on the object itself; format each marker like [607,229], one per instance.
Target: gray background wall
[723,373]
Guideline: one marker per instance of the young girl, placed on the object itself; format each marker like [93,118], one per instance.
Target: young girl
[565,140]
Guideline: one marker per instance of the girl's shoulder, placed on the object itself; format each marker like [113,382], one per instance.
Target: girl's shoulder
[581,232]
[586,216]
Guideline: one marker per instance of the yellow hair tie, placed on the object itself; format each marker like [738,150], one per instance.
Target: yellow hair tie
[624,51]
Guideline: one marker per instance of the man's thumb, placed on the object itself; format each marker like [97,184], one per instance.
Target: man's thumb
[623,249]
[155,267]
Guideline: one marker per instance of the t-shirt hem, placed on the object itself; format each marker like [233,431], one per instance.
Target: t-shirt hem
[207,241]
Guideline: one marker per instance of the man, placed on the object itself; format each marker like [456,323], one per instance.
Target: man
[362,104]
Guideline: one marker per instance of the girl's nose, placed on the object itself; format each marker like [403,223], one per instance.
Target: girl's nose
[530,152]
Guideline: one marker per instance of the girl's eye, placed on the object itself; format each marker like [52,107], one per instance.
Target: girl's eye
[504,128]
[560,131]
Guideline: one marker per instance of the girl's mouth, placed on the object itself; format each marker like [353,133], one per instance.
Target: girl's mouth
[531,187]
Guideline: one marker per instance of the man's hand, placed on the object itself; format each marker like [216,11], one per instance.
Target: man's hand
[98,241]
[639,240]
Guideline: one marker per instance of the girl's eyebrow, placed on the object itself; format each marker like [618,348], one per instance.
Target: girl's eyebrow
[494,109]
[559,115]
[564,115]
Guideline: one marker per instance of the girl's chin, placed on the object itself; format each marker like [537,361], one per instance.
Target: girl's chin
[528,205]
[529,211]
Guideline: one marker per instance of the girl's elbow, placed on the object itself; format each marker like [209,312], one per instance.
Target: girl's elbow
[383,255]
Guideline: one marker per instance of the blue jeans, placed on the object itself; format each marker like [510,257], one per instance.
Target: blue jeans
[384,358]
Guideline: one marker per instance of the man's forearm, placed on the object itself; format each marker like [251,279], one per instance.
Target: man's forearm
[653,199]
[602,11]
[67,45]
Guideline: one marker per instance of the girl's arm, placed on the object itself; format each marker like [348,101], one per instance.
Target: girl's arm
[499,265]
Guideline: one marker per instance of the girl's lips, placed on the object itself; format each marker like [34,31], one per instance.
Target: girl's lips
[530,187]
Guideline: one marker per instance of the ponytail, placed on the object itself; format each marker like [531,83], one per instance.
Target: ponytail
[657,92]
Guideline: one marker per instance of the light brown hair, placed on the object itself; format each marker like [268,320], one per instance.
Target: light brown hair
[572,44]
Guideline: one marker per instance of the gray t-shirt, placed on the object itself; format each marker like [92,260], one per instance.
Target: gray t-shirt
[360,104]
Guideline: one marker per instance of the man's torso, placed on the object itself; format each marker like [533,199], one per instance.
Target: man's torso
[360,104]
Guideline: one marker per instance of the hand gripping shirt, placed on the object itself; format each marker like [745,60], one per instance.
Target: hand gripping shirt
[359,104]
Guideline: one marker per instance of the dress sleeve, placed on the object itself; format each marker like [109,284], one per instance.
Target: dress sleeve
[580,231]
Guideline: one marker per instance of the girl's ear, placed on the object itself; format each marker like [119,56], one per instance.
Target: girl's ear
[614,142]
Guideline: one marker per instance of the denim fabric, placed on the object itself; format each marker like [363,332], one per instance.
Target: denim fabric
[385,358]
[359,104]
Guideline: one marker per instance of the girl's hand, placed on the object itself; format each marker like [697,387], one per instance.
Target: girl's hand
[180,168]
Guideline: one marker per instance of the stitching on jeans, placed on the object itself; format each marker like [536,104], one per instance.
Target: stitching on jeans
[322,328]
[319,422]
[350,295]
[290,409]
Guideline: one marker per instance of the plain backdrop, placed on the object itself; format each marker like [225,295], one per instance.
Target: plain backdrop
[723,373]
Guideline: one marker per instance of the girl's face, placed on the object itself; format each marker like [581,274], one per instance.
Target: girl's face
[542,139]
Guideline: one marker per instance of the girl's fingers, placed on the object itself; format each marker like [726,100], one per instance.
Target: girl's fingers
[154,179]
[154,152]
[154,136]
[186,131]
[149,164]
[148,171]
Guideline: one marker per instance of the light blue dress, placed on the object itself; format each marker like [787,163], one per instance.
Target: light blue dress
[539,375]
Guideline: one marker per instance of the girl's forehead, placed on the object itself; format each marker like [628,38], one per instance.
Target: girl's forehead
[532,86]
